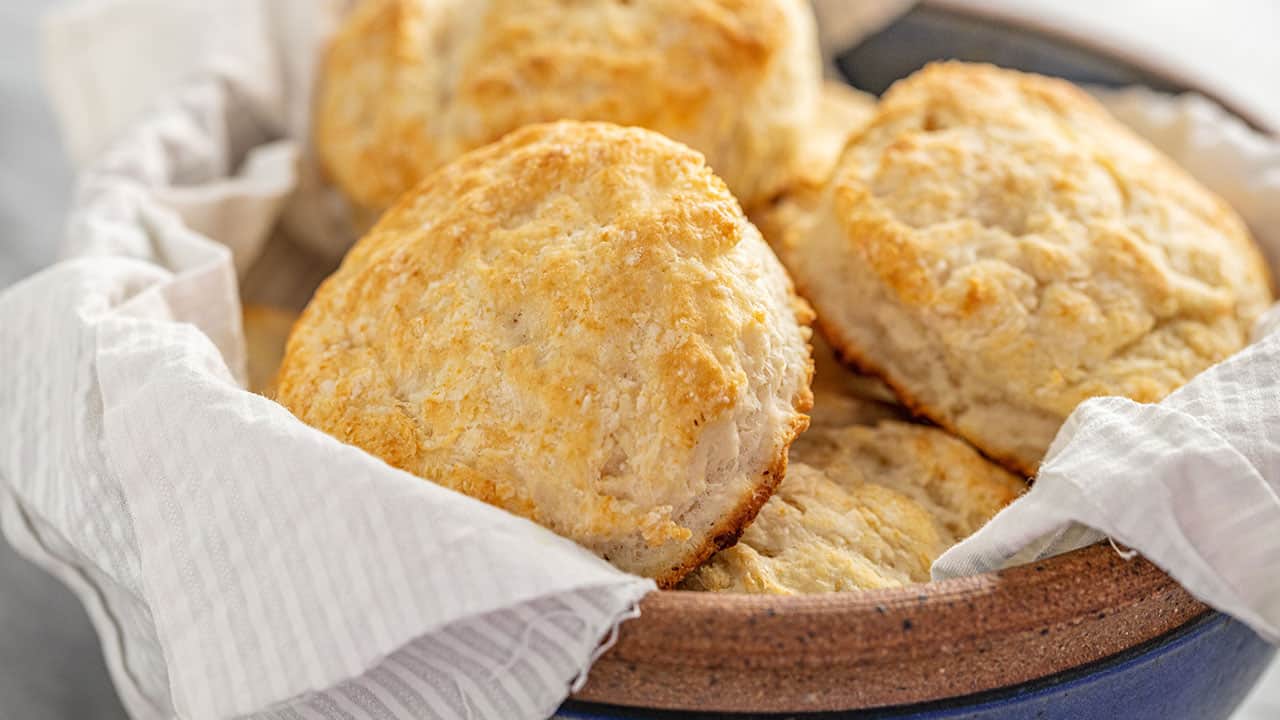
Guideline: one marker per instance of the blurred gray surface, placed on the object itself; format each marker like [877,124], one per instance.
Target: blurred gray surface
[51,665]
[34,177]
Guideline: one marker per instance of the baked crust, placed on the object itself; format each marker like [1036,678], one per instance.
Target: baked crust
[998,249]
[870,501]
[407,85]
[863,507]
[577,324]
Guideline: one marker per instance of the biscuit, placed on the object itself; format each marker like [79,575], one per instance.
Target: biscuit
[577,324]
[998,248]
[862,507]
[842,111]
[842,397]
[265,331]
[408,85]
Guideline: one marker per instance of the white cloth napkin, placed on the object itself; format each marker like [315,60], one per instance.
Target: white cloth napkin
[238,563]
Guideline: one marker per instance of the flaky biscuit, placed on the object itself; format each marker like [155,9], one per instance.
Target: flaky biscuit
[408,85]
[862,507]
[842,111]
[577,324]
[998,248]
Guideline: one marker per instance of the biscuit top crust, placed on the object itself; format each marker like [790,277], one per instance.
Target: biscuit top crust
[1050,254]
[408,85]
[571,324]
[862,507]
[959,488]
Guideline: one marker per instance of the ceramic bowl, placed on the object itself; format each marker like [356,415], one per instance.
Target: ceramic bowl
[1083,635]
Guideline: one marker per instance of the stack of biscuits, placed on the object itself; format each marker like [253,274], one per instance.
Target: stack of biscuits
[604,231]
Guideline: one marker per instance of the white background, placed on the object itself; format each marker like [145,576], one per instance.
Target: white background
[50,665]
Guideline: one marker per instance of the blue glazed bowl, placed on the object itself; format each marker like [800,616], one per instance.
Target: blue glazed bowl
[1125,656]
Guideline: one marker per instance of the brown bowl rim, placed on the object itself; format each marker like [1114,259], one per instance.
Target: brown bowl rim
[899,646]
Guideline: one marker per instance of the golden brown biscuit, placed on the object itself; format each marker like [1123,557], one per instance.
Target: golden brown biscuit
[577,324]
[265,331]
[998,248]
[408,85]
[842,111]
[862,507]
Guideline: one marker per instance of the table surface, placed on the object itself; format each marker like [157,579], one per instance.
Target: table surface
[51,667]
